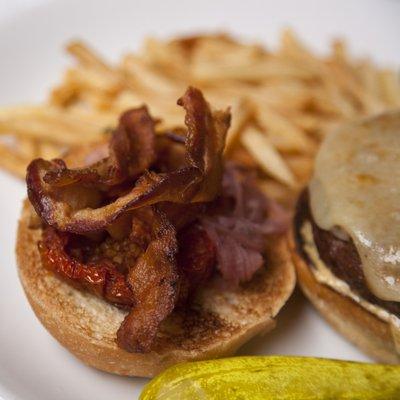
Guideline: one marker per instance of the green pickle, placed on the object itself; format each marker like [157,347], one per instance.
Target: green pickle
[275,377]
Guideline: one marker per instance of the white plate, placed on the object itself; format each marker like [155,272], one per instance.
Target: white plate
[32,364]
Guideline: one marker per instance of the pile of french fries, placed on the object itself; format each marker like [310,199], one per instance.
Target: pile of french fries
[283,102]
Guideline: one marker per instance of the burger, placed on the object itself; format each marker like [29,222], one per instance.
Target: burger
[345,238]
[150,249]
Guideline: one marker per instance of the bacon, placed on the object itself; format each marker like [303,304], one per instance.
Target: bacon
[198,181]
[154,281]
[101,278]
[131,151]
[205,142]
[161,213]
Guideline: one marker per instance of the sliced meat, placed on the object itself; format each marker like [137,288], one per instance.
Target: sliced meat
[196,259]
[239,227]
[154,281]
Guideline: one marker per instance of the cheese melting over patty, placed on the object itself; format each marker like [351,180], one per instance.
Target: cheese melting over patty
[356,187]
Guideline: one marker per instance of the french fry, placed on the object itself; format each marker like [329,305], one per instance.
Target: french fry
[12,161]
[264,70]
[28,148]
[64,95]
[87,56]
[89,78]
[283,134]
[301,166]
[369,77]
[339,51]
[149,76]
[46,123]
[241,114]
[169,56]
[49,151]
[283,102]
[390,86]
[268,158]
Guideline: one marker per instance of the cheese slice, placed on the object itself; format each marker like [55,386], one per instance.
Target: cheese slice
[326,277]
[356,187]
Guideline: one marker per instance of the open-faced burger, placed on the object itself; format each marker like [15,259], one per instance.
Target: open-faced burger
[151,249]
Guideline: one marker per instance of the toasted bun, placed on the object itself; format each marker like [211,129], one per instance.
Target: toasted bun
[370,333]
[217,324]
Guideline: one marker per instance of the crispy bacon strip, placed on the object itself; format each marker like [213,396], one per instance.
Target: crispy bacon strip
[198,181]
[205,142]
[131,151]
[155,285]
[101,279]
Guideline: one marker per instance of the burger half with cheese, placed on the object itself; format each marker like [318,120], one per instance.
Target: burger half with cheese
[345,238]
[151,249]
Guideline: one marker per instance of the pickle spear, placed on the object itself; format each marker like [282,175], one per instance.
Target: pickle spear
[275,377]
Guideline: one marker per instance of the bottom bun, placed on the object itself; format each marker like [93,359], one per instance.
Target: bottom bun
[368,332]
[219,321]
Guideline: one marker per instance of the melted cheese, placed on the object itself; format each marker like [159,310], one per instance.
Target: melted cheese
[325,276]
[356,187]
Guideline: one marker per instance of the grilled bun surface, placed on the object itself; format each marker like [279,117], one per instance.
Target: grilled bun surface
[217,323]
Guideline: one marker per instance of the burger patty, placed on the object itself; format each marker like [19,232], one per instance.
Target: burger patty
[340,256]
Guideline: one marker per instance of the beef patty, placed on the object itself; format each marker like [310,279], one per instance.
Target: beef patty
[340,256]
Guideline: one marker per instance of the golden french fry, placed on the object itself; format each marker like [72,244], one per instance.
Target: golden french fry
[64,94]
[329,100]
[50,124]
[291,47]
[369,77]
[253,72]
[170,114]
[283,102]
[28,148]
[339,50]
[89,78]
[241,113]
[287,95]
[282,132]
[150,76]
[268,158]
[49,151]
[390,86]
[370,104]
[86,56]
[307,122]
[301,166]
[13,162]
[169,56]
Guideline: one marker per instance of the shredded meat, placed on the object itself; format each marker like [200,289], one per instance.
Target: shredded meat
[239,231]
[196,259]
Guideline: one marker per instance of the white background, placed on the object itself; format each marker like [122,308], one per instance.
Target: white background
[32,33]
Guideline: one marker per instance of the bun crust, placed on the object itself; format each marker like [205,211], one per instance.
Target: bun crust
[371,334]
[216,325]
